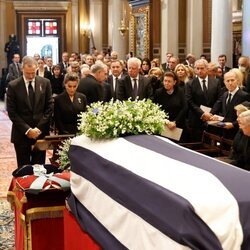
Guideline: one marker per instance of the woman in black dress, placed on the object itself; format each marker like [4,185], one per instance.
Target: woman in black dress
[68,105]
[173,102]
[56,80]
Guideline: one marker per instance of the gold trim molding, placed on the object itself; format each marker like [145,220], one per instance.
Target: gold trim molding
[139,32]
[41,5]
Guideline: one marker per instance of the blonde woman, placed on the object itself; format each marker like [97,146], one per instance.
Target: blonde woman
[155,75]
[182,74]
[191,73]
[240,77]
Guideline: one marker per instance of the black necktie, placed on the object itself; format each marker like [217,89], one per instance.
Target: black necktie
[17,69]
[116,80]
[204,87]
[229,99]
[31,94]
[135,88]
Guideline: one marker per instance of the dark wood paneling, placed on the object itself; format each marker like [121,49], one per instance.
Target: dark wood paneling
[155,28]
[182,21]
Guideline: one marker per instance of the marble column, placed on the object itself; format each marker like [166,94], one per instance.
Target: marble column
[169,28]
[116,14]
[95,17]
[3,35]
[246,28]
[221,35]
[75,26]
[194,35]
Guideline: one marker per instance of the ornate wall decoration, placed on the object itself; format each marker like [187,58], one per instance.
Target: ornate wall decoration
[139,32]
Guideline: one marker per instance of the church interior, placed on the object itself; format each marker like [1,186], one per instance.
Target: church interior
[136,208]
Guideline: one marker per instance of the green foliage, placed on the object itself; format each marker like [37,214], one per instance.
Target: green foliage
[114,119]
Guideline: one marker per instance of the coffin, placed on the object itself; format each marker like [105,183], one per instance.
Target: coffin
[145,192]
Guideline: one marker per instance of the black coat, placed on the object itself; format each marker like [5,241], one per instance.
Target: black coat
[110,81]
[57,84]
[94,90]
[174,105]
[125,89]
[13,73]
[22,115]
[228,112]
[66,112]
[241,150]
[196,97]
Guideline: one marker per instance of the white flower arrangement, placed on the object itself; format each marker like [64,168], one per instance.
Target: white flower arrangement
[119,118]
[114,119]
[62,152]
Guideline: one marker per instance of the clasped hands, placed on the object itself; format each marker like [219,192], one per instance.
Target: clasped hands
[209,117]
[33,133]
[171,125]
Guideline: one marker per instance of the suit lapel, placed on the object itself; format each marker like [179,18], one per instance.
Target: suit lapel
[140,86]
[112,85]
[38,91]
[23,92]
[15,69]
[233,102]
[234,99]
[197,87]
[130,88]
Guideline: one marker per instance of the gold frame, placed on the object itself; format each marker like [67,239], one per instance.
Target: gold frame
[139,23]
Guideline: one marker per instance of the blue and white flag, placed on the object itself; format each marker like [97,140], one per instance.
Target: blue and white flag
[145,192]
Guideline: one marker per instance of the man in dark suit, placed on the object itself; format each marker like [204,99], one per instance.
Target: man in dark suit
[15,68]
[226,103]
[64,64]
[29,106]
[93,86]
[165,65]
[49,64]
[190,59]
[222,60]
[134,85]
[201,93]
[116,67]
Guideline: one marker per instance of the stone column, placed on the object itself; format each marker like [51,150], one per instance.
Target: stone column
[75,26]
[221,35]
[169,28]
[194,35]
[95,16]
[246,28]
[3,36]
[116,14]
